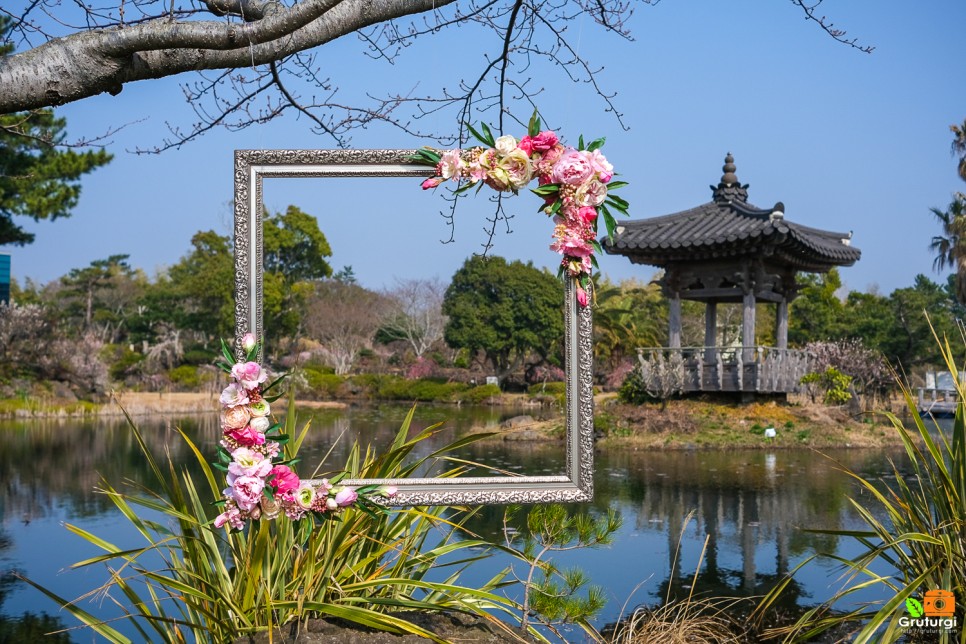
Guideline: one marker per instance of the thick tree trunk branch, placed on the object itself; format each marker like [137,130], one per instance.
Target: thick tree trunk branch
[246,9]
[89,63]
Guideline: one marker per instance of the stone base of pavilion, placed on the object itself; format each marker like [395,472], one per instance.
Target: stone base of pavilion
[734,369]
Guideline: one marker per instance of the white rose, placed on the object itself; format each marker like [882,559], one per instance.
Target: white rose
[506,144]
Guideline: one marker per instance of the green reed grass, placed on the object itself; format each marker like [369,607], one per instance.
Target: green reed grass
[916,525]
[193,582]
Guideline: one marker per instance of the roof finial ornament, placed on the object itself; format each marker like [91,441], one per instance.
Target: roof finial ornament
[729,188]
[729,178]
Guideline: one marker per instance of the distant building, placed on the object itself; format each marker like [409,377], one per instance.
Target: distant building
[5,278]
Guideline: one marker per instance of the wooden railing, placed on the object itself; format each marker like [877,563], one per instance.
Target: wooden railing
[742,369]
[938,402]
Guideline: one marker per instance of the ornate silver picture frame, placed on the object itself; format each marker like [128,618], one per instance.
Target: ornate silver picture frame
[252,167]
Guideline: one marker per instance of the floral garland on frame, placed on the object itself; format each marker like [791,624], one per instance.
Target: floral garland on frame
[575,183]
[261,483]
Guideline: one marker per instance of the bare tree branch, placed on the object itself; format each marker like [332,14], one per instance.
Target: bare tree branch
[828,27]
[87,63]
[266,59]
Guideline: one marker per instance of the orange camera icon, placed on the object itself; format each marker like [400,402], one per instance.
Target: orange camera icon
[939,603]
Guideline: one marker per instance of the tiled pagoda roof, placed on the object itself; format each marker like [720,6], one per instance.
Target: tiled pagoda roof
[730,227]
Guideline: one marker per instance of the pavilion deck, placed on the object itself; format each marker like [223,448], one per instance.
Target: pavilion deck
[759,369]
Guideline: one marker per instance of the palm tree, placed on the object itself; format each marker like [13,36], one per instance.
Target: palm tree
[959,146]
[950,246]
[626,316]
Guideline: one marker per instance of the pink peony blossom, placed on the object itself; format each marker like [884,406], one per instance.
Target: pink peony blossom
[346,497]
[246,491]
[526,144]
[246,436]
[283,479]
[546,162]
[582,296]
[587,215]
[544,141]
[603,168]
[432,182]
[249,374]
[234,395]
[573,168]
[248,462]
[572,244]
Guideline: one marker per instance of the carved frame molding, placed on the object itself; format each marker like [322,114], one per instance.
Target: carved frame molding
[577,483]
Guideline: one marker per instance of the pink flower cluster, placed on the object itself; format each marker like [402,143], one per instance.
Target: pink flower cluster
[257,485]
[579,176]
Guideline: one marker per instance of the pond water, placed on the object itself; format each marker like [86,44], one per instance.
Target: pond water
[744,510]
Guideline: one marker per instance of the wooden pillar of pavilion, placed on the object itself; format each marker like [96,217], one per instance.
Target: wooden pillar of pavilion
[748,326]
[674,321]
[781,324]
[710,331]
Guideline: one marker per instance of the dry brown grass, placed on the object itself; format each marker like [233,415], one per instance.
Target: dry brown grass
[141,403]
[681,622]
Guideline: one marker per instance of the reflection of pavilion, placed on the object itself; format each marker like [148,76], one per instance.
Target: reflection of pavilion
[747,519]
[729,251]
[750,507]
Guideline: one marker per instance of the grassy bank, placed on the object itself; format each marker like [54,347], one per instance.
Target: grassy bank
[702,424]
[38,408]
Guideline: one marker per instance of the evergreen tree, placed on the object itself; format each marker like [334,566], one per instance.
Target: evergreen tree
[816,314]
[202,286]
[510,311]
[295,253]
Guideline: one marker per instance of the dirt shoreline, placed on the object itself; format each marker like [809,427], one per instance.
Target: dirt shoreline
[682,425]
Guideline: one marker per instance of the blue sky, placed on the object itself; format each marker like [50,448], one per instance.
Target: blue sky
[847,140]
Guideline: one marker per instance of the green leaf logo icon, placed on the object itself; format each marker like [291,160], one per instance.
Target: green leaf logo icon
[914,607]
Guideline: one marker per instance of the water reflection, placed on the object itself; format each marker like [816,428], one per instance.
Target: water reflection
[746,510]
[748,507]
[735,518]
